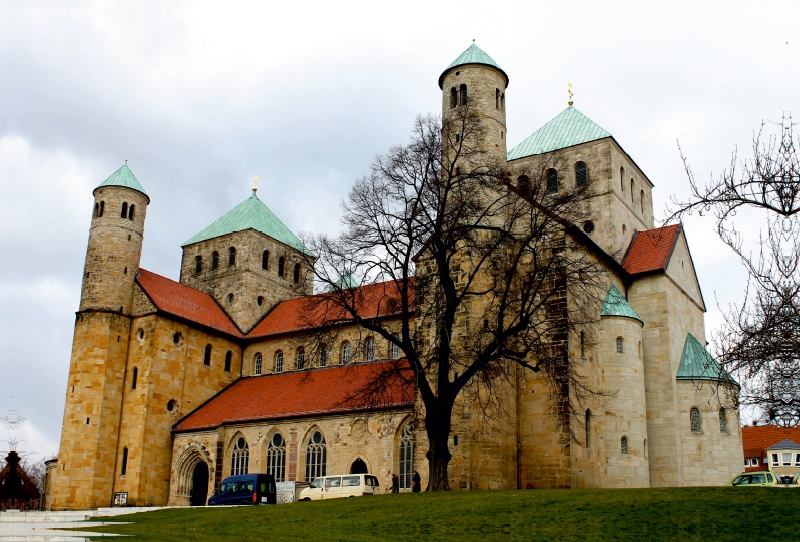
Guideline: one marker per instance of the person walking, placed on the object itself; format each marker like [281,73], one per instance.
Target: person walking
[395,484]
[416,483]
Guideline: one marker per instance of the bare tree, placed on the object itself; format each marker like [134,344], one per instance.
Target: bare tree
[480,277]
[759,340]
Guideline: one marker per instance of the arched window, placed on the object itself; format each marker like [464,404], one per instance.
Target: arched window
[297,273]
[583,346]
[641,201]
[694,420]
[369,349]
[240,457]
[723,421]
[278,361]
[232,256]
[207,356]
[620,345]
[124,466]
[131,210]
[463,92]
[394,350]
[581,176]
[497,98]
[323,355]
[453,97]
[623,444]
[524,184]
[99,208]
[198,265]
[588,427]
[552,181]
[214,260]
[134,377]
[276,457]
[265,260]
[345,353]
[257,363]
[631,190]
[228,357]
[281,266]
[124,213]
[316,456]
[622,179]
[301,358]
[406,455]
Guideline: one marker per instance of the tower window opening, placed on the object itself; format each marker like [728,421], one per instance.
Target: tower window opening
[131,211]
[134,377]
[260,300]
[198,265]
[583,346]
[228,358]
[129,238]
[723,421]
[581,178]
[503,101]
[524,184]
[497,98]
[624,229]
[230,299]
[281,266]
[620,345]
[301,358]
[297,273]
[453,97]
[257,359]
[101,209]
[265,260]
[694,420]
[463,93]
[231,256]
[207,355]
[170,405]
[624,445]
[124,466]
[176,338]
[214,260]
[124,212]
[501,135]
[622,179]
[125,271]
[278,361]
[552,181]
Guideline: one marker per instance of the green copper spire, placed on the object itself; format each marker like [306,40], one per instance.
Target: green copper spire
[615,304]
[697,364]
[124,177]
[473,55]
[568,128]
[250,214]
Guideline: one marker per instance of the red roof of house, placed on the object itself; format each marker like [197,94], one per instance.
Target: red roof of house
[756,439]
[314,392]
[372,301]
[185,302]
[650,250]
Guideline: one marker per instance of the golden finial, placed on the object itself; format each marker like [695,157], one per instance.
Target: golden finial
[255,183]
[569,89]
[473,40]
[126,161]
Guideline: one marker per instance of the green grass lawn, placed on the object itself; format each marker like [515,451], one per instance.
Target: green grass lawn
[708,514]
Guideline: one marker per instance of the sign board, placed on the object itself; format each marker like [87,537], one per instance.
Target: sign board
[120,499]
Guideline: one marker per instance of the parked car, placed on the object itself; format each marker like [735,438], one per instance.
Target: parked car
[245,489]
[759,478]
[341,485]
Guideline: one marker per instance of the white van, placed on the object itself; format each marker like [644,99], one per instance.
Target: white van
[341,485]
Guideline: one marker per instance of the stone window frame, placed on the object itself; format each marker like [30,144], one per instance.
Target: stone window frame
[621,179]
[524,184]
[279,361]
[240,455]
[131,211]
[453,97]
[282,267]
[695,420]
[585,182]
[258,363]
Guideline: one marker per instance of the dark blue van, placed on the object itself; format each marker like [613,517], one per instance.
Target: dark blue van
[245,489]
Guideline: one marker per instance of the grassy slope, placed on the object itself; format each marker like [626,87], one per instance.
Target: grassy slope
[623,514]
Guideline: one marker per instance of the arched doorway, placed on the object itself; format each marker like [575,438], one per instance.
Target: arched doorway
[199,494]
[358,467]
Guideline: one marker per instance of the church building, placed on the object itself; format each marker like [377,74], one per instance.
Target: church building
[175,385]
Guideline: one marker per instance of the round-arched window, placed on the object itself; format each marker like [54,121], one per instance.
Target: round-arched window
[552,181]
[323,355]
[694,420]
[278,361]
[723,421]
[581,175]
[369,349]
[620,345]
[624,445]
[345,353]
[301,358]
[257,365]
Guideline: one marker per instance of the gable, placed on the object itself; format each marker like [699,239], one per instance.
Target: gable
[681,269]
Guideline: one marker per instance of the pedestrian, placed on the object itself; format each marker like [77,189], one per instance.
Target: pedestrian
[416,483]
[395,484]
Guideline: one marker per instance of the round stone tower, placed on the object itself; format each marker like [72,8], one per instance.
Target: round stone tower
[115,243]
[476,81]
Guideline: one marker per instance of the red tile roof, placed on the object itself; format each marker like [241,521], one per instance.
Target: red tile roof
[315,392]
[185,302]
[756,439]
[372,301]
[650,250]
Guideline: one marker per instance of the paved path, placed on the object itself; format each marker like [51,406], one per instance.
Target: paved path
[44,526]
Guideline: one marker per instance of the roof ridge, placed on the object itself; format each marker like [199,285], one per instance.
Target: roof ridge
[567,129]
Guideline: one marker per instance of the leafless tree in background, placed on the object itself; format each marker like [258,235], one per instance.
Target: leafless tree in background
[760,340]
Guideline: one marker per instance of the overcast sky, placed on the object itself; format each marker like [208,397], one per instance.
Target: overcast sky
[201,96]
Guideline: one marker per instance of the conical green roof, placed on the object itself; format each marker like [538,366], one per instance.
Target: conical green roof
[615,304]
[124,177]
[250,214]
[568,128]
[697,364]
[473,55]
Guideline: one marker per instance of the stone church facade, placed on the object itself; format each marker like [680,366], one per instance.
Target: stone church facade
[175,385]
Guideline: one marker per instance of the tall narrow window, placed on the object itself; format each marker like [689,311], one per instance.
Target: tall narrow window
[257,362]
[265,260]
[281,266]
[622,179]
[463,92]
[323,355]
[198,265]
[723,421]
[641,201]
[278,361]
[620,345]
[583,346]
[581,177]
[124,466]
[228,358]
[694,420]
[632,190]
[134,377]
[524,184]
[101,209]
[316,457]
[297,273]
[552,181]
[453,97]
[301,358]
[276,457]
[369,349]
[232,256]
[624,445]
[214,260]
[345,353]
[394,350]
[503,102]
[588,424]
[406,455]
[131,210]
[240,457]
[497,98]
[124,212]
[207,356]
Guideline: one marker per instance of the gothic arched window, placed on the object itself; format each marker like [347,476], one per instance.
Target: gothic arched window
[588,422]
[257,363]
[316,456]
[198,265]
[552,181]
[278,361]
[581,175]
[623,443]
[453,97]
[232,256]
[297,273]
[694,420]
[345,353]
[276,457]
[214,260]
[369,349]
[240,457]
[723,421]
[124,212]
[228,357]
[265,260]
[207,356]
[301,358]
[463,92]
[406,455]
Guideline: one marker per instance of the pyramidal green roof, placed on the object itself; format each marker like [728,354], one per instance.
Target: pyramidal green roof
[697,364]
[124,177]
[615,304]
[250,214]
[473,55]
[568,128]
[345,282]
